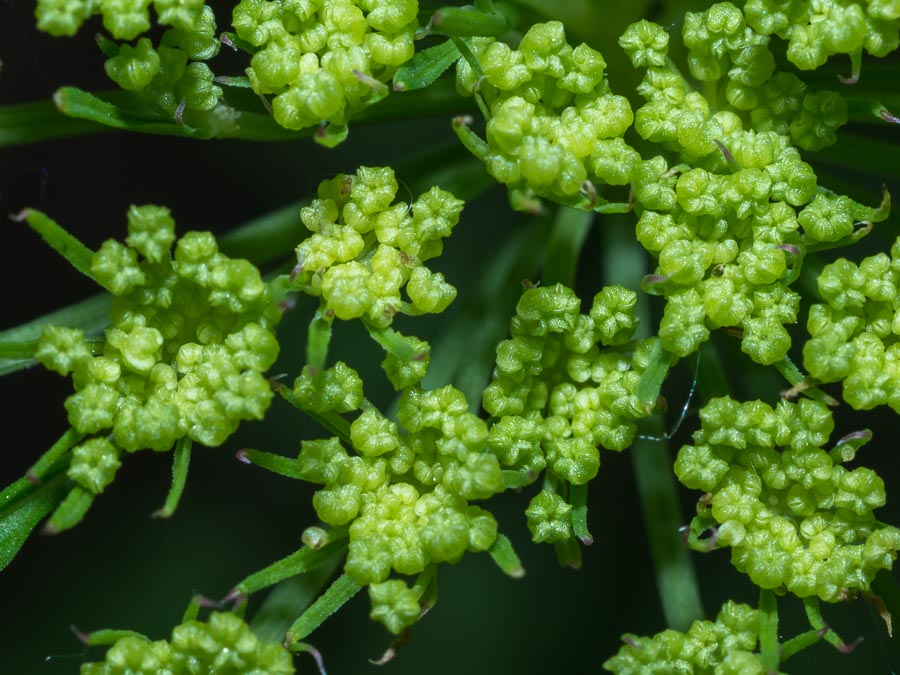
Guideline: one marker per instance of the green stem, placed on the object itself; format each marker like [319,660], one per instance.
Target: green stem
[675,577]
[768,629]
[570,229]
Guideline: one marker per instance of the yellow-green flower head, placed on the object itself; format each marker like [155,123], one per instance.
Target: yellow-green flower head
[224,644]
[184,356]
[406,496]
[325,59]
[125,19]
[365,250]
[818,29]
[854,333]
[725,646]
[793,516]
[554,123]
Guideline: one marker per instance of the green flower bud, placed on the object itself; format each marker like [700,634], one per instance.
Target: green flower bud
[428,291]
[133,68]
[62,350]
[94,464]
[646,44]
[63,17]
[549,518]
[394,604]
[125,19]
[115,267]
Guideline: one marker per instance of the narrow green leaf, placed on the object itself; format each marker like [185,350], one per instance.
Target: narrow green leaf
[238,81]
[469,22]
[66,442]
[79,104]
[578,499]
[503,553]
[799,643]
[289,598]
[392,342]
[90,315]
[426,66]
[801,385]
[570,229]
[108,636]
[318,338]
[70,512]
[330,420]
[568,553]
[283,466]
[70,248]
[299,562]
[327,604]
[181,461]
[20,517]
[40,121]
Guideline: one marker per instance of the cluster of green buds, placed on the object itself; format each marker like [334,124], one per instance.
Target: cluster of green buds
[725,646]
[124,19]
[365,248]
[794,517]
[324,59]
[740,88]
[563,385]
[730,224]
[854,333]
[224,644]
[404,491]
[172,77]
[816,29]
[554,126]
[183,358]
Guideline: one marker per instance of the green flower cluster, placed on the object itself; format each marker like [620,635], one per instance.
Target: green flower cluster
[406,495]
[224,645]
[324,59]
[190,336]
[854,333]
[737,71]
[171,77]
[125,19]
[364,248]
[554,126]
[721,647]
[816,29]
[792,515]
[729,225]
[563,385]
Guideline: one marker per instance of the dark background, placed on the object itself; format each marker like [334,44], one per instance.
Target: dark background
[120,569]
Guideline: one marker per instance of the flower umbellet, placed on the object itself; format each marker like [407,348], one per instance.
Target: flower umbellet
[698,145]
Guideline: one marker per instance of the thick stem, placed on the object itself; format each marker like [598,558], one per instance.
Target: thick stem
[676,580]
